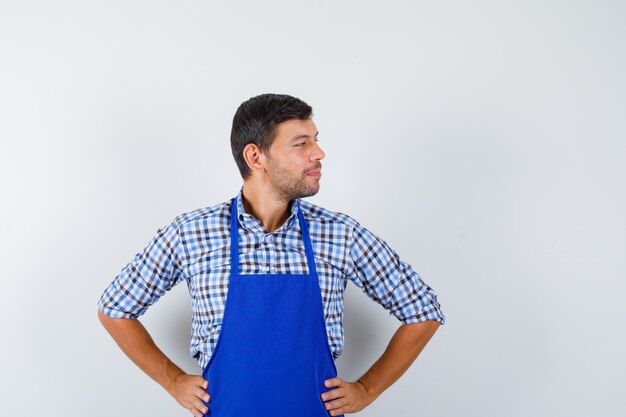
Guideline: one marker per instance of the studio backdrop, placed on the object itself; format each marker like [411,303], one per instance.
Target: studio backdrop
[483,140]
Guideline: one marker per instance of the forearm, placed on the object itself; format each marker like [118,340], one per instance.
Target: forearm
[402,350]
[135,341]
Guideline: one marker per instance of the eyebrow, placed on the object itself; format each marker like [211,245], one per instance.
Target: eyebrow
[295,138]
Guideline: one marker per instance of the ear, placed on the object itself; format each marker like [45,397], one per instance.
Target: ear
[254,158]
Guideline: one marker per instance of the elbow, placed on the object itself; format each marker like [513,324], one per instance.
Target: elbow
[432,325]
[105,320]
[102,317]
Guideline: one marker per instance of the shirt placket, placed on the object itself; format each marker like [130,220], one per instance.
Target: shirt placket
[270,253]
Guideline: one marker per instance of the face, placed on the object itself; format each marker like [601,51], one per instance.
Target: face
[293,161]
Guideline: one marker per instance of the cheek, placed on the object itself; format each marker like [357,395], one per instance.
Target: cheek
[297,163]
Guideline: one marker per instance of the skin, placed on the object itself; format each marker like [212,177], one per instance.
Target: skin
[282,174]
[402,350]
[135,341]
[287,171]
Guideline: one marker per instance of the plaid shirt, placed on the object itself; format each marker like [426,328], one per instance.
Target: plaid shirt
[195,248]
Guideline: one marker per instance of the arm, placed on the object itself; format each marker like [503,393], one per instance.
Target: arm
[403,348]
[392,283]
[133,338]
[152,272]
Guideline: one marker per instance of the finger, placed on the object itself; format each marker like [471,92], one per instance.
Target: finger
[333,382]
[201,382]
[339,412]
[198,406]
[335,404]
[334,393]
[196,413]
[202,394]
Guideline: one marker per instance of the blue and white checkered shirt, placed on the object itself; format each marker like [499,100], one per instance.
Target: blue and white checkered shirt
[195,248]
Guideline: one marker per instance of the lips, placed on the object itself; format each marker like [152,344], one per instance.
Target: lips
[316,171]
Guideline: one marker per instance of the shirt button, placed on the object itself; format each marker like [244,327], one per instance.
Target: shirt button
[267,268]
[269,238]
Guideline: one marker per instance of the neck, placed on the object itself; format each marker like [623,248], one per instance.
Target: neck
[265,205]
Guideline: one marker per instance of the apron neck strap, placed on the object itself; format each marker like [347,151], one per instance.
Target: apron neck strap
[234,239]
[307,242]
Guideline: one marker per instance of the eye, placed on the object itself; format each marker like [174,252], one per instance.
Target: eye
[300,144]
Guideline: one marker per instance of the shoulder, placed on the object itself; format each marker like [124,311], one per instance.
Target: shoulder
[217,214]
[317,214]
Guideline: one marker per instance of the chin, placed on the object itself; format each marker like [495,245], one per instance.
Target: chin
[308,192]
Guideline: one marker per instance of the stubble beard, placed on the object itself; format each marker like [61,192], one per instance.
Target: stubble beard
[289,186]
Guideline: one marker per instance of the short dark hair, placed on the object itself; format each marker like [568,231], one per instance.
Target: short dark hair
[255,122]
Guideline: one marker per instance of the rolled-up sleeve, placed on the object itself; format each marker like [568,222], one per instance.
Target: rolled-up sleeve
[152,272]
[379,273]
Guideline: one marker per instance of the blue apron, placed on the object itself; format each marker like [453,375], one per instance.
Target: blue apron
[272,355]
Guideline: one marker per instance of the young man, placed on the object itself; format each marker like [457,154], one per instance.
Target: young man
[266,273]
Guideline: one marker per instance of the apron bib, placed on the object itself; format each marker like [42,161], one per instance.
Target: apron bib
[272,355]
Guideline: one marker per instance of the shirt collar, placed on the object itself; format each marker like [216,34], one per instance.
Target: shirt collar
[250,222]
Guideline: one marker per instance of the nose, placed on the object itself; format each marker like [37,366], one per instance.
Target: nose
[317,154]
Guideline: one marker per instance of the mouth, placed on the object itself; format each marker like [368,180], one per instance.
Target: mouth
[316,171]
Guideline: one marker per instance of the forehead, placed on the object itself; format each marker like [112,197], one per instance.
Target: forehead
[293,129]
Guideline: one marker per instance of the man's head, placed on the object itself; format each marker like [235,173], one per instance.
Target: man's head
[274,139]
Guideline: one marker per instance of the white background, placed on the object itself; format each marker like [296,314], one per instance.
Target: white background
[483,140]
